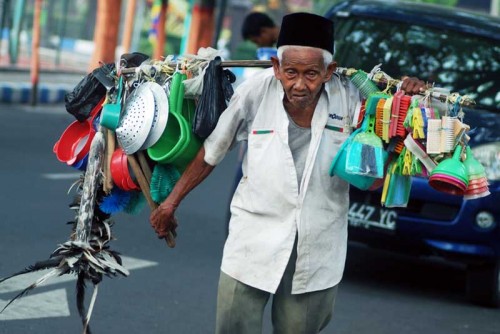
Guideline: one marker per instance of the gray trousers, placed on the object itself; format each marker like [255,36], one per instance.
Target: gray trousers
[240,307]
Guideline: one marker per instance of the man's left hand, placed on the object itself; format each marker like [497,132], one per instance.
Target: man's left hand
[413,86]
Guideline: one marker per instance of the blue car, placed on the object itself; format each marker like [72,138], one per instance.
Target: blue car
[459,51]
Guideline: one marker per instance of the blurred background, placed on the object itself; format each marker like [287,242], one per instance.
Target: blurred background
[77,35]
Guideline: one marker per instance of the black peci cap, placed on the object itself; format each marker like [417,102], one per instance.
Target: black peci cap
[306,29]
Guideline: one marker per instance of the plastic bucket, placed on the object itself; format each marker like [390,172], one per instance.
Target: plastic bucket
[120,172]
[189,150]
[74,142]
[172,140]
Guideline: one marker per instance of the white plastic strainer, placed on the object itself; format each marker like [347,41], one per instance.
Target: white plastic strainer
[135,123]
[160,114]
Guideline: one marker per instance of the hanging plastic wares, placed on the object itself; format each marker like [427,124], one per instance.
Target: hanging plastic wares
[478,183]
[337,168]
[163,180]
[87,93]
[372,102]
[418,150]
[366,154]
[408,163]
[133,59]
[217,90]
[364,84]
[228,78]
[386,119]
[397,189]
[379,115]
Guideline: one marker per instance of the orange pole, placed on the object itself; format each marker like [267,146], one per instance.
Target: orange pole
[202,28]
[106,32]
[160,41]
[35,56]
[129,26]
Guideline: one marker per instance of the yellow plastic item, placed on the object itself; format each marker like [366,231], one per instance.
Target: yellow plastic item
[386,184]
[407,161]
[418,124]
[386,119]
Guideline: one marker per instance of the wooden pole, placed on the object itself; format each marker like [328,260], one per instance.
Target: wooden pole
[464,100]
[35,56]
[128,28]
[144,185]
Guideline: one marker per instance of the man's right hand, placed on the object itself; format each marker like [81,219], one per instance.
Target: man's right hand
[162,219]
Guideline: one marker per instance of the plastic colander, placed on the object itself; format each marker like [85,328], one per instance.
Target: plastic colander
[137,119]
[160,116]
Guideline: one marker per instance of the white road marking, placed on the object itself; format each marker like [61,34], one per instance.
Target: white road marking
[61,176]
[53,303]
[20,282]
[47,109]
[43,305]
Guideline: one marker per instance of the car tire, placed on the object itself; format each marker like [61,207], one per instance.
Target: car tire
[483,283]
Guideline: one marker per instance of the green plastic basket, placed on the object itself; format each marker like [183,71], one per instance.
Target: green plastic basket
[177,145]
[171,141]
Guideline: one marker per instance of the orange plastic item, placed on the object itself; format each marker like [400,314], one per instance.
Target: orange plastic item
[379,115]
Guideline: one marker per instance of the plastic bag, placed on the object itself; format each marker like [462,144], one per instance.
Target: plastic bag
[133,59]
[366,154]
[87,93]
[397,188]
[217,91]
[194,86]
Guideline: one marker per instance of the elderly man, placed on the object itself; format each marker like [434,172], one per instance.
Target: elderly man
[288,229]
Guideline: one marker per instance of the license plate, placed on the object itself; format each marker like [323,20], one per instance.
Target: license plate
[369,216]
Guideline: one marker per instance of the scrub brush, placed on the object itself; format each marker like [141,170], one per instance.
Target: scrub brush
[163,180]
[136,203]
[116,201]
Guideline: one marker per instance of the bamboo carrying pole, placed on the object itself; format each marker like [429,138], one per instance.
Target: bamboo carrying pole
[464,100]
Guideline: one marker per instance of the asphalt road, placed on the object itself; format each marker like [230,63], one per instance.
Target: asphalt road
[174,290]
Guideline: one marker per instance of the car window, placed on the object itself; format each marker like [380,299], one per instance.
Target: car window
[463,63]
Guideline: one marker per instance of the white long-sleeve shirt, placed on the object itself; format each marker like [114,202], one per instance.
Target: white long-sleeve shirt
[267,210]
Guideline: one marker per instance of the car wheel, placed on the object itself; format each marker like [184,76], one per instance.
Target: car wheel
[483,283]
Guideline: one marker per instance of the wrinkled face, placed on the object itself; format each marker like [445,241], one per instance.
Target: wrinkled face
[302,73]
